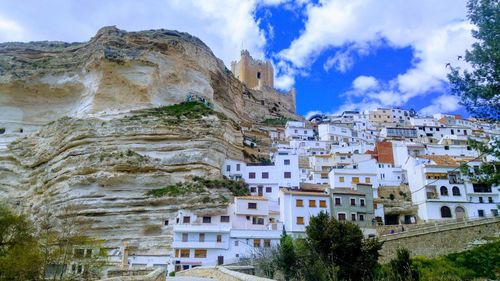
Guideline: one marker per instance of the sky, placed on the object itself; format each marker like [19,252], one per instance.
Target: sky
[338,54]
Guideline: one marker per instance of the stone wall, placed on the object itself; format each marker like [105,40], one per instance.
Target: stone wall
[442,240]
[136,274]
[220,274]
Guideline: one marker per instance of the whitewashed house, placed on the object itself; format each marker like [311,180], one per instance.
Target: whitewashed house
[442,193]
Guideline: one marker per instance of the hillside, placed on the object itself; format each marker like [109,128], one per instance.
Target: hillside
[97,125]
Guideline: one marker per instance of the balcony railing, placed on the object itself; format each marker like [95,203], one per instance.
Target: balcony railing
[196,244]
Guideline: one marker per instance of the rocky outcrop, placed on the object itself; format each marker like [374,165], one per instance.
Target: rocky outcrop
[117,71]
[84,124]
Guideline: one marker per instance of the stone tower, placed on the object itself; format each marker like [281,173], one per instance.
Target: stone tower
[256,74]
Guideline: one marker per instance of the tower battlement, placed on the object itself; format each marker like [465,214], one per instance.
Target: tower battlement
[259,75]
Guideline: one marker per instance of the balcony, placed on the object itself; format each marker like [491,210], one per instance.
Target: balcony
[202,227]
[201,245]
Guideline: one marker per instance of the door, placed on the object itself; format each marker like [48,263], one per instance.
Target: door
[220,260]
[460,213]
[261,190]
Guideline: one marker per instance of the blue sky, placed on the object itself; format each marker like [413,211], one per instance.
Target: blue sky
[338,54]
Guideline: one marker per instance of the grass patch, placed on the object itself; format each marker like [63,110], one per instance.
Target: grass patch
[276,121]
[200,185]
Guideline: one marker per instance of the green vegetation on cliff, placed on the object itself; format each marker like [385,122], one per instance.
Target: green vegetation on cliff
[199,185]
[276,121]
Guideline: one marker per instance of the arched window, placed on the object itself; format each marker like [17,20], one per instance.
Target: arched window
[456,191]
[445,212]
[444,191]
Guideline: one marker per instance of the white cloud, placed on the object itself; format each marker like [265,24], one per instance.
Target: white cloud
[442,104]
[10,30]
[226,26]
[437,32]
[341,61]
[363,83]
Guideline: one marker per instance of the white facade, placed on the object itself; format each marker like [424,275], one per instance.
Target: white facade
[296,208]
[334,133]
[442,193]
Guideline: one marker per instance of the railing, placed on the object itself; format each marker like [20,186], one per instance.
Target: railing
[440,226]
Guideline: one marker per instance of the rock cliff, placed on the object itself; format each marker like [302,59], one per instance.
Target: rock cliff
[94,125]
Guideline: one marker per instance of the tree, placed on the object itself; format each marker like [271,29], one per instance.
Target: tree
[488,172]
[287,258]
[20,257]
[479,88]
[342,244]
[402,268]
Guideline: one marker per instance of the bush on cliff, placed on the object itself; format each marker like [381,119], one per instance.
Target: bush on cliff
[199,185]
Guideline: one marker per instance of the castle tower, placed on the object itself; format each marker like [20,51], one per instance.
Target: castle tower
[256,74]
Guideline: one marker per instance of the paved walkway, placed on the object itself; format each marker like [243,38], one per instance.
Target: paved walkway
[187,278]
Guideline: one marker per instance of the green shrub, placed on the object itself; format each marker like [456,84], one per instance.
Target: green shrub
[199,185]
[276,121]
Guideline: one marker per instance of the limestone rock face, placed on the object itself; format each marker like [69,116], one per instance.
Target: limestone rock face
[77,128]
[117,71]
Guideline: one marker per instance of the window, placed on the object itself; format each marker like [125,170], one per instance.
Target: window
[445,212]
[253,189]
[446,147]
[481,200]
[367,180]
[338,202]
[299,203]
[300,220]
[207,219]
[165,222]
[257,221]
[219,238]
[200,253]
[88,253]
[201,237]
[312,203]
[252,206]
[258,74]
[288,175]
[286,161]
[494,212]
[224,218]
[184,237]
[341,179]
[341,216]
[353,217]
[236,243]
[322,203]
[490,199]
[362,202]
[184,253]
[456,191]
[256,243]
[305,132]
[238,167]
[269,189]
[480,213]
[79,253]
[353,201]
[228,168]
[251,175]
[361,217]
[186,219]
[265,175]
[267,243]
[443,190]
[355,180]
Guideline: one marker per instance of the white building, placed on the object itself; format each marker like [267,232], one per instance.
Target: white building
[297,206]
[441,192]
[296,130]
[334,133]
[248,226]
